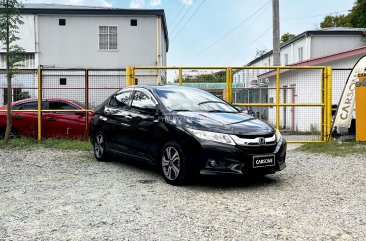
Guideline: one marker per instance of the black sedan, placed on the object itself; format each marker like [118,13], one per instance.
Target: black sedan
[185,131]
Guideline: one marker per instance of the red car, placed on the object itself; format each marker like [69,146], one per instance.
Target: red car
[54,124]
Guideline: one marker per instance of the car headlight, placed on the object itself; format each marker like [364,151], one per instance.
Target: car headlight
[212,136]
[278,135]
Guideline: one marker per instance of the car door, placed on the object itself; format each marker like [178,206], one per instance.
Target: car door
[25,123]
[115,123]
[64,124]
[145,129]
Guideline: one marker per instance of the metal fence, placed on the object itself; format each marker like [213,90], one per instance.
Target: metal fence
[296,100]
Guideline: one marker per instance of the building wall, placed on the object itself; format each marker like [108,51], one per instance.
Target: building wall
[327,45]
[26,34]
[76,44]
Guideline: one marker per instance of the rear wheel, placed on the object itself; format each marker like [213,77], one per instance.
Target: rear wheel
[174,166]
[99,146]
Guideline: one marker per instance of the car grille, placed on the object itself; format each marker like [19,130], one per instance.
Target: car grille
[257,149]
[257,141]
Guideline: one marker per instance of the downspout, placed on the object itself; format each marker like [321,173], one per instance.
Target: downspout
[158,48]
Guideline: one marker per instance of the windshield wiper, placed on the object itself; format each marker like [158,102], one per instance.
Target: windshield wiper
[222,111]
[212,101]
[181,110]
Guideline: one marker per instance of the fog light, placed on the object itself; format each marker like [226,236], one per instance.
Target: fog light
[212,163]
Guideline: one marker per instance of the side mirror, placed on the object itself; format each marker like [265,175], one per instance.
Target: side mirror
[150,110]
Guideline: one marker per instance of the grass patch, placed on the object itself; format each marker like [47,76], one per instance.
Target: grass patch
[62,144]
[335,148]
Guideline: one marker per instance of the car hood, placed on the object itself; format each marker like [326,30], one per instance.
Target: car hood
[230,123]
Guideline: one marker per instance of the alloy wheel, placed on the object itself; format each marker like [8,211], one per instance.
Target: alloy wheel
[99,145]
[171,163]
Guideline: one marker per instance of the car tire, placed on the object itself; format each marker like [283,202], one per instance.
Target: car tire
[13,133]
[174,165]
[99,147]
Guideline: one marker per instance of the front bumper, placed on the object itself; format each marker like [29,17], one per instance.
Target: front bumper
[239,159]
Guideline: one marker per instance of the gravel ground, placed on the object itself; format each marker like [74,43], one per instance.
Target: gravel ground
[62,195]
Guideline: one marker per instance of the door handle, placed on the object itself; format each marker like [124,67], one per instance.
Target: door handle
[17,117]
[129,117]
[51,119]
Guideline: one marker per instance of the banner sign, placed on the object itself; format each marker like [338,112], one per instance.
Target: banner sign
[347,103]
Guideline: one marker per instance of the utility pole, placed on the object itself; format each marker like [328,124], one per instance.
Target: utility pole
[276,32]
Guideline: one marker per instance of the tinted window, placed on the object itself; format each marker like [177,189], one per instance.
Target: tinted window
[120,100]
[142,100]
[27,106]
[58,105]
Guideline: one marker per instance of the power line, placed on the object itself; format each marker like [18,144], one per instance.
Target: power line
[228,33]
[225,50]
[176,16]
[313,16]
[260,36]
[189,19]
[181,19]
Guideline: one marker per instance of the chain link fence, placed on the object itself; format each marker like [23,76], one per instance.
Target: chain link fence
[299,110]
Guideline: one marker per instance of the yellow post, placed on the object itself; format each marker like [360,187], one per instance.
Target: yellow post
[133,77]
[230,85]
[128,76]
[227,86]
[180,77]
[278,98]
[39,75]
[329,103]
[360,108]
[325,101]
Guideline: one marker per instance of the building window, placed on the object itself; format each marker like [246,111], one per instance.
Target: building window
[62,81]
[286,59]
[62,22]
[301,54]
[28,61]
[108,38]
[133,22]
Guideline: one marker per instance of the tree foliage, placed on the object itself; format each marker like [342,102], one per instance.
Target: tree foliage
[217,77]
[356,18]
[287,36]
[10,19]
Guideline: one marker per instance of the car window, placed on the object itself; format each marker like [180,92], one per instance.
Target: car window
[60,105]
[120,100]
[142,100]
[26,106]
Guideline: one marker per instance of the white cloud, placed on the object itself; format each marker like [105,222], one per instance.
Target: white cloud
[187,2]
[137,3]
[155,2]
[102,3]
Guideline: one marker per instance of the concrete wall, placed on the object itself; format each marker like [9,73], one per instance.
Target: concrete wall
[76,44]
[26,34]
[327,45]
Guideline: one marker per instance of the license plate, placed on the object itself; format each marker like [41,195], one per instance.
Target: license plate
[263,161]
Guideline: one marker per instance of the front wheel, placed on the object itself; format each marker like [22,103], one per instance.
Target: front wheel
[99,146]
[174,166]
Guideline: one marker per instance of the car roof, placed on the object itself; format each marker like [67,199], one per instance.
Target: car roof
[161,87]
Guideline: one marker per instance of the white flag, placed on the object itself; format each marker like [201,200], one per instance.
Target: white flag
[347,102]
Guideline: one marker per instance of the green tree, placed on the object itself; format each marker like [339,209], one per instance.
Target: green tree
[357,16]
[287,36]
[10,19]
[336,21]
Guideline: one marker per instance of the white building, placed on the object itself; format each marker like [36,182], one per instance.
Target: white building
[339,48]
[63,36]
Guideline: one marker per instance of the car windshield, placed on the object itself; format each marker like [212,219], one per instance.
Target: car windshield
[190,99]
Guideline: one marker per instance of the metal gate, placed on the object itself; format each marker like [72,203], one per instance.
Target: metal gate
[295,100]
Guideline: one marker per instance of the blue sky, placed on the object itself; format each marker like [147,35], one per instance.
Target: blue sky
[219,32]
